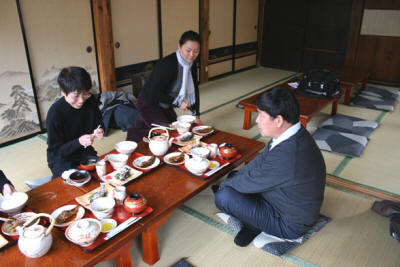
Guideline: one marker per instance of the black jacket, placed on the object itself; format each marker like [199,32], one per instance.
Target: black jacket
[160,84]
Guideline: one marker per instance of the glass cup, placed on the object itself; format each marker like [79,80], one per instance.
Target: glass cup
[120,194]
[101,168]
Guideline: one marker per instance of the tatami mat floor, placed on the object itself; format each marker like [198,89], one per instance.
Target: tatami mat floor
[355,237]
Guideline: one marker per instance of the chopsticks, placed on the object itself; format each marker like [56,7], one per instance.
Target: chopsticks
[166,127]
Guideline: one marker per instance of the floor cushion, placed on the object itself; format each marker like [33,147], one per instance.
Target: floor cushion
[348,124]
[340,142]
[272,244]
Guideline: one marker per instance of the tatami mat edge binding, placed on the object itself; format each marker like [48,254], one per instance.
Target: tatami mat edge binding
[223,227]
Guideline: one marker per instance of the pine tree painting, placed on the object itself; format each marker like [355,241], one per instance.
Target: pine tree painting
[15,116]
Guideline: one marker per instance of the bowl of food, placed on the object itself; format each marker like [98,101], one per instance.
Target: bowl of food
[10,227]
[88,163]
[187,118]
[117,161]
[79,176]
[197,167]
[183,127]
[13,204]
[126,147]
[102,207]
[199,152]
[83,232]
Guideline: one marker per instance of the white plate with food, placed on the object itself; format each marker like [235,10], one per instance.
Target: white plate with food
[203,130]
[121,176]
[10,227]
[176,158]
[146,162]
[186,138]
[65,215]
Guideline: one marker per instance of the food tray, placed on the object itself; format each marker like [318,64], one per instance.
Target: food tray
[222,163]
[118,209]
[132,157]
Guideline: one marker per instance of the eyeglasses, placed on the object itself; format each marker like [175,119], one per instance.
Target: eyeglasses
[84,95]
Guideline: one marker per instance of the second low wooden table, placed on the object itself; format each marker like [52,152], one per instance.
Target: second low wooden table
[308,107]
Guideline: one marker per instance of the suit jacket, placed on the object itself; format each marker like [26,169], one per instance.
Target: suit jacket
[291,177]
[162,80]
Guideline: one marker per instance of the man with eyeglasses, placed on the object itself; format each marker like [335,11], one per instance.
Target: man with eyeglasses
[73,122]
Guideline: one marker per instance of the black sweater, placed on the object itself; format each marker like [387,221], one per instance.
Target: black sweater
[163,79]
[291,177]
[65,125]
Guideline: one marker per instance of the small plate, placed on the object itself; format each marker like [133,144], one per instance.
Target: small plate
[201,130]
[174,154]
[107,225]
[79,214]
[138,161]
[213,164]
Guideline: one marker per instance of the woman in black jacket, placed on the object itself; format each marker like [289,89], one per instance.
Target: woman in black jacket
[173,83]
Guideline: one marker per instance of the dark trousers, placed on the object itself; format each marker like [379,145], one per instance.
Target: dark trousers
[149,114]
[253,211]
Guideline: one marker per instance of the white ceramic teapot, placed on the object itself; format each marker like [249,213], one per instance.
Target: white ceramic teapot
[35,241]
[159,144]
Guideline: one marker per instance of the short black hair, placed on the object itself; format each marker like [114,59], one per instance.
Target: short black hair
[189,36]
[279,101]
[73,79]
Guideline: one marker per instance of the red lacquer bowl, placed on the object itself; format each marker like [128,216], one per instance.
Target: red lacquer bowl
[135,203]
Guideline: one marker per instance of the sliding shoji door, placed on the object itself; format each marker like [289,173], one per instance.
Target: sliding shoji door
[177,16]
[246,33]
[18,113]
[221,37]
[135,32]
[59,34]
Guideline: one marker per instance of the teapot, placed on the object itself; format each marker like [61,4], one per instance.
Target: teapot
[135,203]
[35,241]
[159,144]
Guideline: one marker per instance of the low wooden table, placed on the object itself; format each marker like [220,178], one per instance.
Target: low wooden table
[308,106]
[165,188]
[349,77]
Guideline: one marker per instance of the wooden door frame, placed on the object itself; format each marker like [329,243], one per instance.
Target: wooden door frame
[104,44]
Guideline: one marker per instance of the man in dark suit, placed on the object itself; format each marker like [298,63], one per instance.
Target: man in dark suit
[280,192]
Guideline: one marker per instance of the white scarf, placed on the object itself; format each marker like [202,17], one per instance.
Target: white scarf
[187,82]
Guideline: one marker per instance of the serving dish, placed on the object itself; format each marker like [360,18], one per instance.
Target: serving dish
[168,157]
[137,163]
[203,130]
[72,216]
[116,178]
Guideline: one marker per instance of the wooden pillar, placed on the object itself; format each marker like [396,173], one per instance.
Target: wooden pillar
[204,34]
[104,44]
[261,8]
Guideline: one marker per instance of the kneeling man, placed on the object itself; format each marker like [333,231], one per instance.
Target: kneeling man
[280,192]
